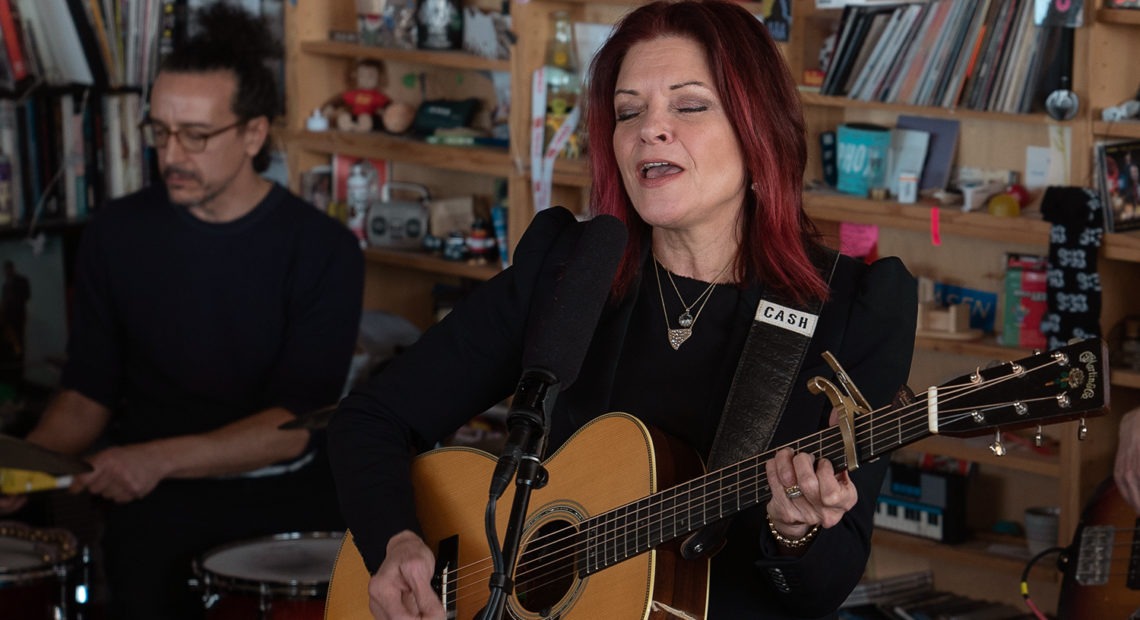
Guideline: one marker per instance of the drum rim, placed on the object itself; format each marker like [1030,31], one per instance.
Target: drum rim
[45,569]
[295,588]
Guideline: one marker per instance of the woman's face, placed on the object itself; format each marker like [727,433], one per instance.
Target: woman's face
[678,155]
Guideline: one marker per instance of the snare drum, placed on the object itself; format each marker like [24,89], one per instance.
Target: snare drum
[37,568]
[281,577]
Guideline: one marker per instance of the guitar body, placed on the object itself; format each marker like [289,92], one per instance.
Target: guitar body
[612,461]
[602,538]
[1101,571]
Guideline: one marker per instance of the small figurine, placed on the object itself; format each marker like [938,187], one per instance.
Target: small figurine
[357,109]
[365,107]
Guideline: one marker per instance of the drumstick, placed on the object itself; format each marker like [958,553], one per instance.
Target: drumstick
[20,481]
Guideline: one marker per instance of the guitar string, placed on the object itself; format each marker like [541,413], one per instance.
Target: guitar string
[530,565]
[947,395]
[681,507]
[865,425]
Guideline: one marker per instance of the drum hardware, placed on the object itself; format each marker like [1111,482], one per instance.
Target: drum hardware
[278,577]
[37,569]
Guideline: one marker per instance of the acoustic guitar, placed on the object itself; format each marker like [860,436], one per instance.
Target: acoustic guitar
[1102,567]
[602,538]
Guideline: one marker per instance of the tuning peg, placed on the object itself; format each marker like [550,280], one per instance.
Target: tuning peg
[1038,437]
[1082,430]
[997,447]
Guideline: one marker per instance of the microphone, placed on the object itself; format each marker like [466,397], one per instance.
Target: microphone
[557,341]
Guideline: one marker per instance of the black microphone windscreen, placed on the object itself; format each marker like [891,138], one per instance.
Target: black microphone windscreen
[562,333]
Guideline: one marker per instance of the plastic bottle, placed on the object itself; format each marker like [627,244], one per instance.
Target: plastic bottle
[563,87]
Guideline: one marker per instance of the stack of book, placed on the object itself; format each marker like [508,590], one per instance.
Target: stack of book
[977,54]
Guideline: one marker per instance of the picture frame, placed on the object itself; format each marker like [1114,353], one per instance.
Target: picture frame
[1118,180]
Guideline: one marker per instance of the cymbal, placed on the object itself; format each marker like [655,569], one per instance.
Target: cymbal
[19,454]
[313,420]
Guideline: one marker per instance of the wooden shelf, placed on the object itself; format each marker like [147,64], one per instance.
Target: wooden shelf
[985,347]
[974,553]
[812,98]
[454,60]
[1129,129]
[430,263]
[573,172]
[480,160]
[1130,17]
[1125,378]
[976,449]
[835,207]
[1123,246]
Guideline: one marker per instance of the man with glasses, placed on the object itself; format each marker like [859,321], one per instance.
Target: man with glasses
[209,310]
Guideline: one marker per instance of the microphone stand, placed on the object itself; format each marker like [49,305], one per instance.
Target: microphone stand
[528,424]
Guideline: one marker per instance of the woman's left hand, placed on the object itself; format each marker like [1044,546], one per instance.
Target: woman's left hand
[806,493]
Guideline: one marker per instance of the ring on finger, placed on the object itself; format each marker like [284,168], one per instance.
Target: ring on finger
[793,491]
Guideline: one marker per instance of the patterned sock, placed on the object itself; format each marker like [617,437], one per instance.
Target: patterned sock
[1073,290]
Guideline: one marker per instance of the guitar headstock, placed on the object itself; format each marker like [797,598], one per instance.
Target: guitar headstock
[1046,388]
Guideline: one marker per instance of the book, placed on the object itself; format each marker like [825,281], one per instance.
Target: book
[12,42]
[55,33]
[1024,301]
[941,151]
[1119,180]
[862,157]
[906,156]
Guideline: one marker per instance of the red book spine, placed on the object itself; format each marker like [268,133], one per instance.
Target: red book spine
[12,41]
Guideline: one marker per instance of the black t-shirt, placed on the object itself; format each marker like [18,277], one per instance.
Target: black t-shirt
[182,326]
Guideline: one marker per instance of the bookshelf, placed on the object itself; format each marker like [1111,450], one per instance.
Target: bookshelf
[971,246]
[400,282]
[971,243]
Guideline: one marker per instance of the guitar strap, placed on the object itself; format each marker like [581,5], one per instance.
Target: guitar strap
[774,351]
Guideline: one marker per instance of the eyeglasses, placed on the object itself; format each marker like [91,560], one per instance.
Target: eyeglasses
[192,140]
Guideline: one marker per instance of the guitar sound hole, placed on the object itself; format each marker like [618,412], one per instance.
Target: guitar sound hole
[546,569]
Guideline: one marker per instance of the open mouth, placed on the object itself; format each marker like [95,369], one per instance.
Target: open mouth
[658,169]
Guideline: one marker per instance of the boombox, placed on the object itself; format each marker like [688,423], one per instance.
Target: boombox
[399,223]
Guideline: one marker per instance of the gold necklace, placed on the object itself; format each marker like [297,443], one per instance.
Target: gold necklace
[687,320]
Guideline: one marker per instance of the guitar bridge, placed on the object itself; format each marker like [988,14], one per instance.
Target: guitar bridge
[443,577]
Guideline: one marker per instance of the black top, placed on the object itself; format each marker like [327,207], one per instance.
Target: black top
[182,326]
[470,361]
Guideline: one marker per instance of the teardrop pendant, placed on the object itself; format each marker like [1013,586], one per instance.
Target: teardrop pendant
[677,337]
[686,319]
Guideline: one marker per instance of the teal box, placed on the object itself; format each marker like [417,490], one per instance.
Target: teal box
[862,157]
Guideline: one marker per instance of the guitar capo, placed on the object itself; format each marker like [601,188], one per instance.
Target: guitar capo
[847,401]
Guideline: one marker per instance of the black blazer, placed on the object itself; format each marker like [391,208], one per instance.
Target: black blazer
[471,361]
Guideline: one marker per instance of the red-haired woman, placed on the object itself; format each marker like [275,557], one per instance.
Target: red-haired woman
[697,147]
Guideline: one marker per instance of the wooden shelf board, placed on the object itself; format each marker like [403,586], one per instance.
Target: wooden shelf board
[574,172]
[985,347]
[813,98]
[1129,129]
[429,263]
[836,207]
[455,60]
[1129,17]
[1123,246]
[480,160]
[973,553]
[969,449]
[1125,378]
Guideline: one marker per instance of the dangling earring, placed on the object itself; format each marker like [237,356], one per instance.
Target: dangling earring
[755,187]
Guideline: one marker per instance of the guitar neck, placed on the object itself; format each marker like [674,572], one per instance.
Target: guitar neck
[1044,388]
[640,526]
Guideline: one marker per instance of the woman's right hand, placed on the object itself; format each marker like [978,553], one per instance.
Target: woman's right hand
[401,588]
